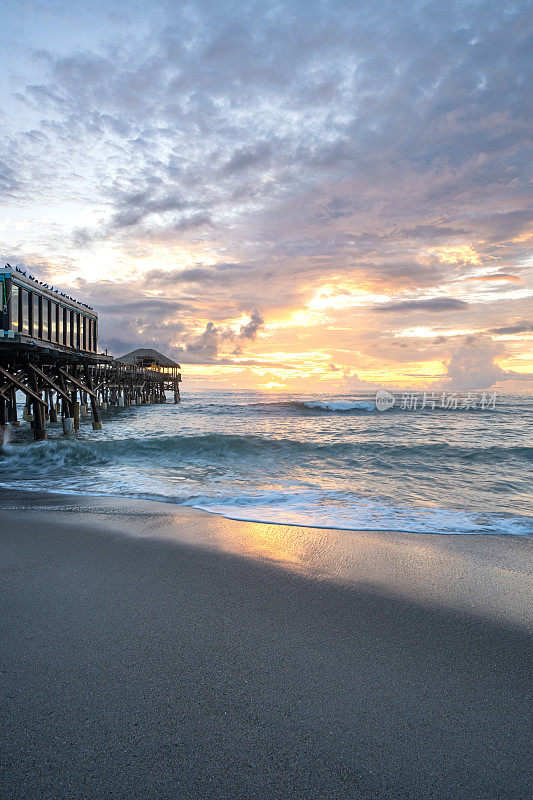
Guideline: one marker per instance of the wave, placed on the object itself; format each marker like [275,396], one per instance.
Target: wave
[335,511]
[342,405]
[312,472]
[341,512]
[345,406]
[56,454]
[306,406]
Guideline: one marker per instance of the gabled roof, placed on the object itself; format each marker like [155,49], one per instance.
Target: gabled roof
[148,353]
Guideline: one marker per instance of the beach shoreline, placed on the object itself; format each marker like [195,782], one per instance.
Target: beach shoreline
[156,651]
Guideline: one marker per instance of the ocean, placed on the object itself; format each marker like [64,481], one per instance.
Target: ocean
[334,462]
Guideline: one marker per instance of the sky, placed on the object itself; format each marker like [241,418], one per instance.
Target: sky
[303,195]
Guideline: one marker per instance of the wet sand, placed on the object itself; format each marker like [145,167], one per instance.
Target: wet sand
[152,652]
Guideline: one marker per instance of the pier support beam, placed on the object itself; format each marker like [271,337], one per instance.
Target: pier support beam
[97,425]
[76,414]
[68,426]
[59,383]
[52,410]
[14,419]
[3,421]
[39,427]
[67,420]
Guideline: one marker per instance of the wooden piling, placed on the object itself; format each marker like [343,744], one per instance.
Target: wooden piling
[56,381]
[14,419]
[76,414]
[97,425]
[39,427]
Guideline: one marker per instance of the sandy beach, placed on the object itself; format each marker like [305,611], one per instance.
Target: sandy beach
[150,651]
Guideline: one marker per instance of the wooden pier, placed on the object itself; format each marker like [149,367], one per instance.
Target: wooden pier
[49,352]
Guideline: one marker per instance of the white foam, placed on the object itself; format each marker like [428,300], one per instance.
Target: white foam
[342,405]
[342,513]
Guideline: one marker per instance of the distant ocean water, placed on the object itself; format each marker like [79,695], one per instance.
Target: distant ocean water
[328,462]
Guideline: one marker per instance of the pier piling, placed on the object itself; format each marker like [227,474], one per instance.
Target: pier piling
[49,353]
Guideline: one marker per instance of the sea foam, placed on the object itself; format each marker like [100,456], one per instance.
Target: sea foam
[341,405]
[320,462]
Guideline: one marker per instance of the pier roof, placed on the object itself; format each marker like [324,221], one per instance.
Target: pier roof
[147,354]
[32,283]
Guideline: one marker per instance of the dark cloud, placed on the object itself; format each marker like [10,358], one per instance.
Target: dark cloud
[257,89]
[221,274]
[298,144]
[249,331]
[210,345]
[252,362]
[246,157]
[517,327]
[149,306]
[9,182]
[433,304]
[205,347]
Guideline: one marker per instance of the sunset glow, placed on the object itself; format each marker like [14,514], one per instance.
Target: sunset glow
[269,243]
[266,375]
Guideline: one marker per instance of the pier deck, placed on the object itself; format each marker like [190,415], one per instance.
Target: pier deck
[49,352]
[62,383]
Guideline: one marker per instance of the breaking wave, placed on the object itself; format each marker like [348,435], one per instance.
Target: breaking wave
[262,479]
[172,450]
[342,405]
[322,462]
[342,512]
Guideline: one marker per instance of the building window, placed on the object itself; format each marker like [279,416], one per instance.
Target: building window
[84,333]
[53,321]
[40,312]
[14,307]
[71,329]
[95,335]
[21,310]
[46,318]
[56,310]
[31,315]
[78,331]
[36,320]
[24,321]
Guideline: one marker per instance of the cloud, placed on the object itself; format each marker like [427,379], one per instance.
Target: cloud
[472,365]
[205,347]
[433,304]
[517,327]
[242,156]
[498,277]
[250,330]
[221,274]
[245,157]
[149,306]
[9,182]
[215,342]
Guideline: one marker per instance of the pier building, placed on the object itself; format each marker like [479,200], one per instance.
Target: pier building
[49,352]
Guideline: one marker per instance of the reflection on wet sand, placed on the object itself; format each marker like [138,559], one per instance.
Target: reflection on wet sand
[486,575]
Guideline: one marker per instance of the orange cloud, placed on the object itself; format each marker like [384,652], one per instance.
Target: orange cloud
[497,277]
[456,254]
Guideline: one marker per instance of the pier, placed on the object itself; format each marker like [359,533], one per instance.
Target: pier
[49,352]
